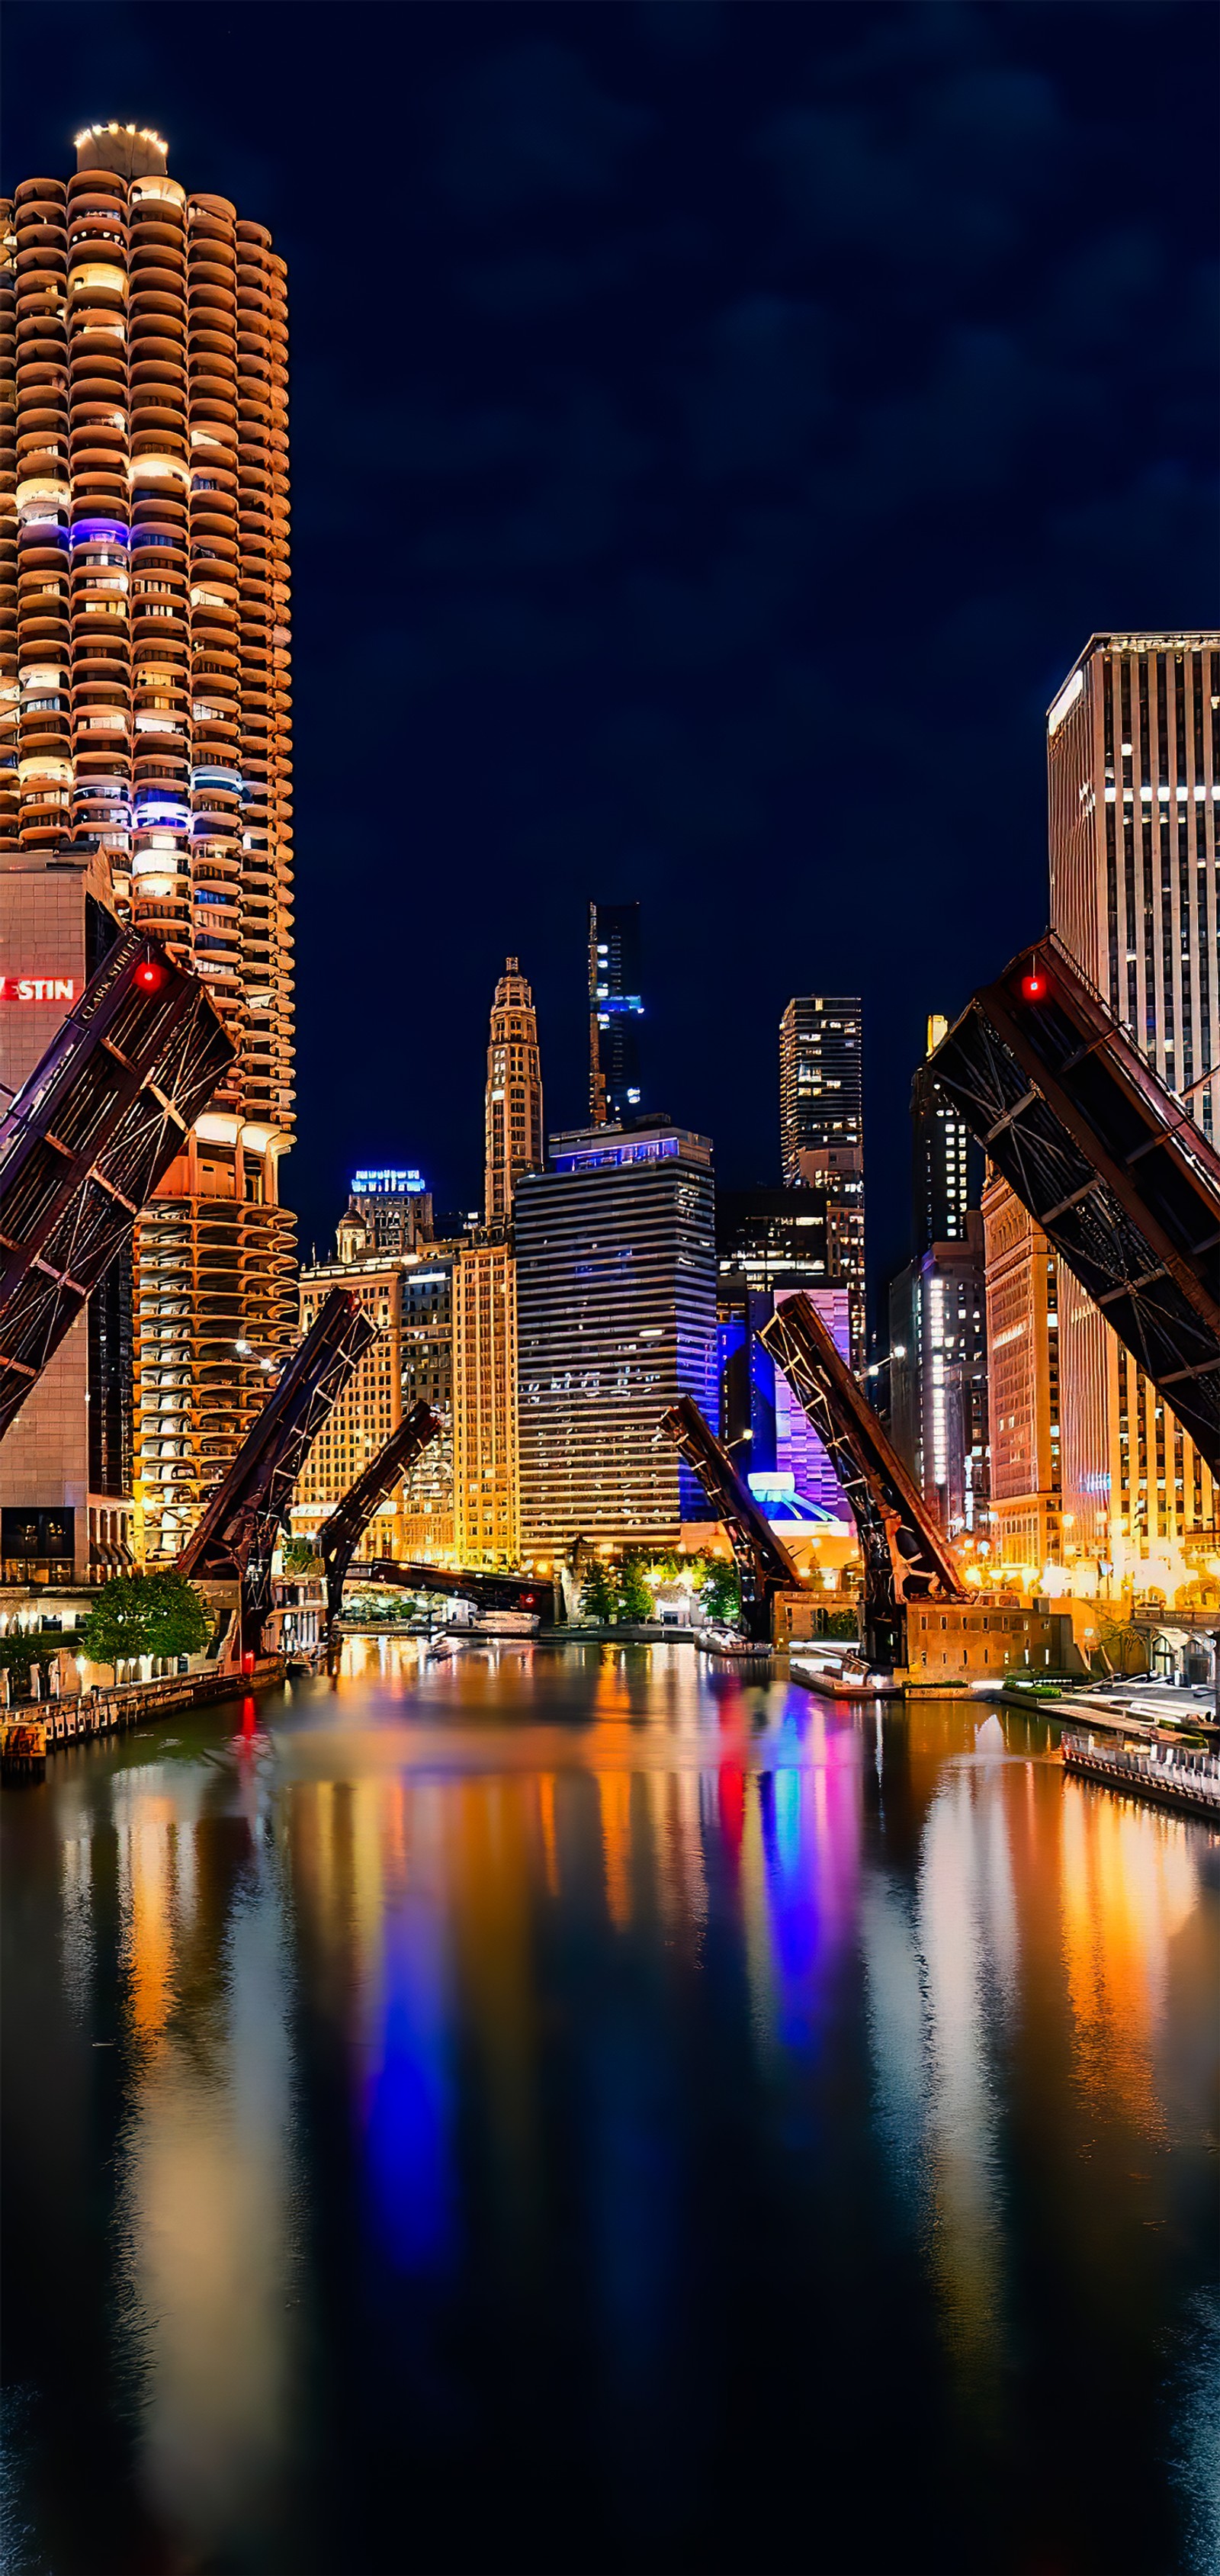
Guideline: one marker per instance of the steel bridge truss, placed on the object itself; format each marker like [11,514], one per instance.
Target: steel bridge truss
[241,1524]
[905,1557]
[489,1588]
[340,1534]
[764,1566]
[87,1139]
[1108,1163]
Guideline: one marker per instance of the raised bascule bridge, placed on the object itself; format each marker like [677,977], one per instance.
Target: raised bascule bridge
[1126,1187]
[764,1567]
[87,1139]
[1109,1163]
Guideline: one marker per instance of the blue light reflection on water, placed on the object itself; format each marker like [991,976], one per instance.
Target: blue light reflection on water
[409,2099]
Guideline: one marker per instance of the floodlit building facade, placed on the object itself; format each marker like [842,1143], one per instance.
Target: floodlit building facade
[513,1108]
[1022,1288]
[369,1408]
[821,1087]
[409,1299]
[616,1317]
[486,1488]
[148,708]
[1133,781]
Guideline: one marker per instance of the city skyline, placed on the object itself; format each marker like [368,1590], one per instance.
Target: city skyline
[598,678]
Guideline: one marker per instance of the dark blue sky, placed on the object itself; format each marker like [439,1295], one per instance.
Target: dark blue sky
[715,432]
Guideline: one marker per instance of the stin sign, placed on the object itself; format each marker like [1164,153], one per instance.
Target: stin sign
[37,988]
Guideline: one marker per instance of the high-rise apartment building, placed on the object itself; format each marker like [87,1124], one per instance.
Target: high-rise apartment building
[946,1163]
[821,1088]
[616,1317]
[486,1491]
[513,1113]
[150,594]
[1022,1286]
[938,1379]
[616,1007]
[1133,779]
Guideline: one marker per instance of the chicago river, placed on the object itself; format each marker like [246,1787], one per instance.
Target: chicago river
[551,2107]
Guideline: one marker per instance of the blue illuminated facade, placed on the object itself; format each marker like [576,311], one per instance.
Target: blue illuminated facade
[616,1317]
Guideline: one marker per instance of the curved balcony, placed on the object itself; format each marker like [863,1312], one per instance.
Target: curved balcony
[155,467]
[155,266]
[162,344]
[154,312]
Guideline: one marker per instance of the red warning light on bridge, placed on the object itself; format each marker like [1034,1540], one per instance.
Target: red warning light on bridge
[1034,986]
[149,975]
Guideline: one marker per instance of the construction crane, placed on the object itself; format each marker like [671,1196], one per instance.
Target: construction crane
[905,1557]
[241,1524]
[87,1139]
[1107,1161]
[340,1534]
[764,1566]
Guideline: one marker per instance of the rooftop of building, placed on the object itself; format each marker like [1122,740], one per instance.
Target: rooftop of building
[1195,639]
[649,1137]
[132,151]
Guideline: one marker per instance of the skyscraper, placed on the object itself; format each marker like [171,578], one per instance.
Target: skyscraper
[1024,1398]
[486,1494]
[946,1163]
[938,1378]
[615,1010]
[821,1085]
[513,1119]
[1133,778]
[153,671]
[616,1317]
[938,1315]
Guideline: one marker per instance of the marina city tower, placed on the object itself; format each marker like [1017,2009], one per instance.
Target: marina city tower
[145,598]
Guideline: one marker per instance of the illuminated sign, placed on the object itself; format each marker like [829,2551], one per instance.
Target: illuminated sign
[372,1185]
[37,988]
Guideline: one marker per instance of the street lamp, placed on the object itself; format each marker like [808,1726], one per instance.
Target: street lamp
[875,1367]
[246,1351]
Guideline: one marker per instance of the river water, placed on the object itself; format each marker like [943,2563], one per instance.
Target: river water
[566,2110]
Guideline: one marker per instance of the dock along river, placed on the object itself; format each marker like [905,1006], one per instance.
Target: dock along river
[570,2109]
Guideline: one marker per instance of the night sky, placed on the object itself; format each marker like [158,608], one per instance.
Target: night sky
[715,432]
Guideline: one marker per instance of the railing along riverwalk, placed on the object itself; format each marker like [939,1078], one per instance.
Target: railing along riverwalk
[30,1733]
[1173,1775]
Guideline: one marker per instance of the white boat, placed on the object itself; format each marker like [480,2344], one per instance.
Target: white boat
[840,1672]
[734,1648]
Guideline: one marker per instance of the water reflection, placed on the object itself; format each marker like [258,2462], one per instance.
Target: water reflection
[551,2086]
